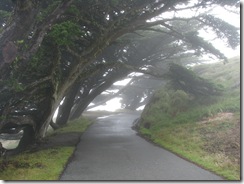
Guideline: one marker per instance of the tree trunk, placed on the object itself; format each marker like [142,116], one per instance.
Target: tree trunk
[82,106]
[65,108]
[54,125]
[41,131]
[89,98]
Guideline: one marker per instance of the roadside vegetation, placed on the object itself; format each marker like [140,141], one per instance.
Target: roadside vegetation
[202,129]
[44,163]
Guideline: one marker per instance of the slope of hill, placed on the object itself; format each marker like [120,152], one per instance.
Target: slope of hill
[205,131]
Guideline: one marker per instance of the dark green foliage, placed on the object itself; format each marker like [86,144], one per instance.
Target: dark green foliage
[49,7]
[73,10]
[4,14]
[65,33]
[223,30]
[202,47]
[186,80]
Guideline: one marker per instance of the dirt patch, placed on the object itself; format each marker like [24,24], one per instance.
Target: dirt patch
[218,117]
[222,135]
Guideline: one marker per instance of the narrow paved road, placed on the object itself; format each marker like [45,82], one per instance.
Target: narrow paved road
[111,150]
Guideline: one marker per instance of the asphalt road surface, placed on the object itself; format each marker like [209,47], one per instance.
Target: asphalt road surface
[111,150]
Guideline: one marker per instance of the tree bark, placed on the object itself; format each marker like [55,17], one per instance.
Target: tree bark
[89,98]
[65,108]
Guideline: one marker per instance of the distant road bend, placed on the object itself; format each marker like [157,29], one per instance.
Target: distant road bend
[111,150]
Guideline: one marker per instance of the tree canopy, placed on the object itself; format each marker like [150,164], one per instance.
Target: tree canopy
[66,50]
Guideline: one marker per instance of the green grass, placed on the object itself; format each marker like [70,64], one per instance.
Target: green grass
[45,164]
[188,140]
[42,165]
[206,131]
[78,125]
[223,74]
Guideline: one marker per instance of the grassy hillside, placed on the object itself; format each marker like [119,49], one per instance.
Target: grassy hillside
[204,130]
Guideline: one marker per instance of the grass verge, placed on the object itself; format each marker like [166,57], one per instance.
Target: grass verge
[212,144]
[43,164]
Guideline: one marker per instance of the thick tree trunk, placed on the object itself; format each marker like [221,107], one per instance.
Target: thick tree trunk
[75,106]
[54,125]
[82,106]
[41,131]
[65,108]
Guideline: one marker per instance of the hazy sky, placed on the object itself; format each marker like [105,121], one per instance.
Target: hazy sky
[218,11]
[231,18]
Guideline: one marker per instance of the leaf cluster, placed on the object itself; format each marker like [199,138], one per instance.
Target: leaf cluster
[223,30]
[184,79]
[64,33]
[4,14]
